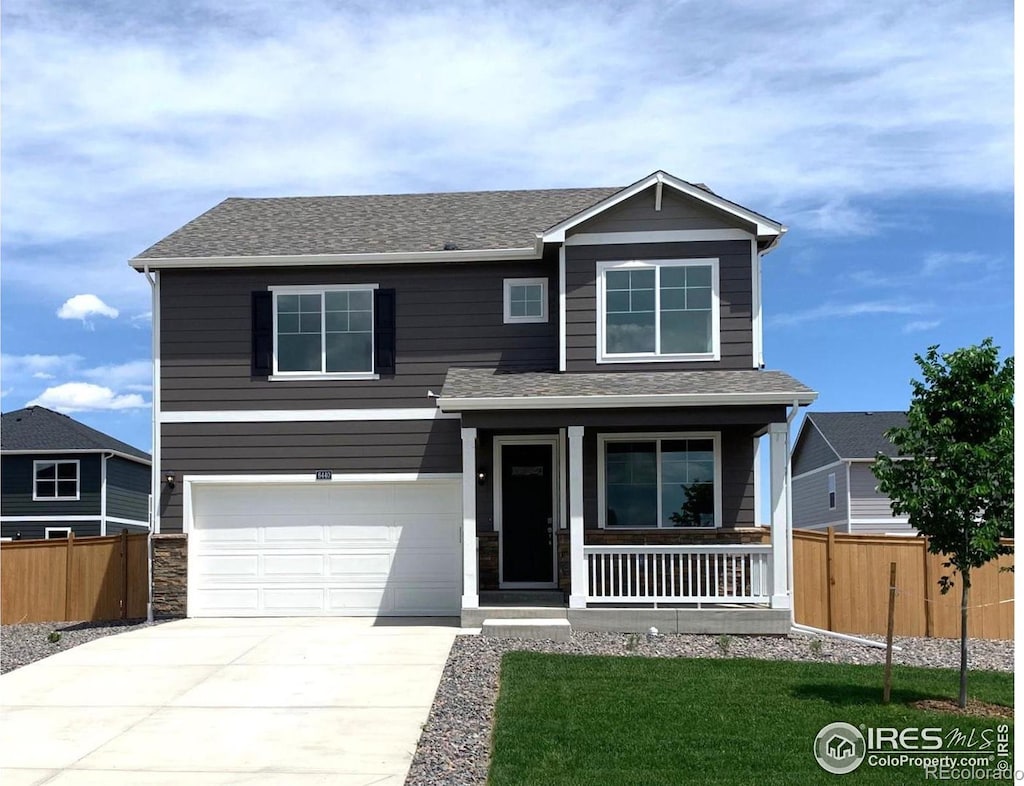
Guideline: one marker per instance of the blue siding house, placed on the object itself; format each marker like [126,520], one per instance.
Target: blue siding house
[59,476]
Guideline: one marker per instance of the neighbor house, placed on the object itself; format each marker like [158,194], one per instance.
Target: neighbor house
[60,476]
[833,485]
[405,404]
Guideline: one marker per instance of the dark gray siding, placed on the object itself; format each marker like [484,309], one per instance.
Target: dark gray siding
[16,487]
[446,315]
[36,530]
[810,500]
[811,450]
[677,212]
[283,448]
[128,485]
[640,419]
[735,298]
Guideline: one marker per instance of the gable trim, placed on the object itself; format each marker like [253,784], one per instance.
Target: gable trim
[665,236]
[765,227]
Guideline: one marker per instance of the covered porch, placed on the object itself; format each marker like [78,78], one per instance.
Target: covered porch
[631,510]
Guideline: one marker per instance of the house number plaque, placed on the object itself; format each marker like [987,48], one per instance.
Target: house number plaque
[323,474]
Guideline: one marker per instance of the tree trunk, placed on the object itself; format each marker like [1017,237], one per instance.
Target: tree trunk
[964,595]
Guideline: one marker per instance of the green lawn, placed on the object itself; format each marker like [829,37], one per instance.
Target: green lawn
[617,721]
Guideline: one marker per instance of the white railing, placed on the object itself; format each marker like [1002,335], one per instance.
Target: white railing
[678,574]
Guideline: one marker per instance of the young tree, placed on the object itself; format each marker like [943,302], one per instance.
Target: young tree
[953,477]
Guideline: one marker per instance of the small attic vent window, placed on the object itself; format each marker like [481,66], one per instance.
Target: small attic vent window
[450,246]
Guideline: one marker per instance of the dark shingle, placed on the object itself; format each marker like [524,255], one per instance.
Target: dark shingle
[490,383]
[858,435]
[470,220]
[42,429]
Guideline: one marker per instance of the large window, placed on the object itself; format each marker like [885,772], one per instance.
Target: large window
[665,310]
[57,480]
[669,481]
[324,331]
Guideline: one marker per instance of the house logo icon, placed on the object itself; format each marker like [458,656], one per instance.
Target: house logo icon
[839,748]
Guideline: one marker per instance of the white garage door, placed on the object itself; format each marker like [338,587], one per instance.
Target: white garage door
[333,548]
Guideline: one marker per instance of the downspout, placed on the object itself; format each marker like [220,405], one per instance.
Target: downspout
[154,496]
[103,492]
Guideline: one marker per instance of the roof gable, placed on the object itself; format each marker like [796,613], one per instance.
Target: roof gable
[43,430]
[858,435]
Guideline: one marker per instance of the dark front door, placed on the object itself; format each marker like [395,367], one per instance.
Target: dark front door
[527,514]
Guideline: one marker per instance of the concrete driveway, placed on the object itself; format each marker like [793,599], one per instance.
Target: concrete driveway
[260,701]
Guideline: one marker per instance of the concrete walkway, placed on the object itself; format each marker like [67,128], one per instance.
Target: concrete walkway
[257,702]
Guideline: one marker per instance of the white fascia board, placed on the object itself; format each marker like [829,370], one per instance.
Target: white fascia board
[303,415]
[310,478]
[117,453]
[562,316]
[308,260]
[663,236]
[622,402]
[765,227]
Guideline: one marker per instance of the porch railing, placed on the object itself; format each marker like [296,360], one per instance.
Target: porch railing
[678,574]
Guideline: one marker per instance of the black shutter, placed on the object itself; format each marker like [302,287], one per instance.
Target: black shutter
[384,331]
[262,333]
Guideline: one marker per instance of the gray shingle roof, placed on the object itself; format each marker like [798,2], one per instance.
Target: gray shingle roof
[860,435]
[42,429]
[470,220]
[483,383]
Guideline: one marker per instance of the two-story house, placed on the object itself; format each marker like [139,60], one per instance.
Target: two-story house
[400,404]
[58,476]
[833,482]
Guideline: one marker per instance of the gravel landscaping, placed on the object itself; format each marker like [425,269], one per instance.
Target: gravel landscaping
[455,745]
[28,642]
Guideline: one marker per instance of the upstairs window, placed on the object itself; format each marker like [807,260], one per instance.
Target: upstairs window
[526,300]
[832,491]
[658,310]
[55,480]
[324,332]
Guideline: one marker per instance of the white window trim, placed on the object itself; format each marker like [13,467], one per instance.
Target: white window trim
[78,480]
[831,490]
[48,530]
[604,439]
[299,376]
[654,357]
[525,282]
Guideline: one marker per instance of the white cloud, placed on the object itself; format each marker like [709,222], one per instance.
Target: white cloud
[29,365]
[42,375]
[85,306]
[22,373]
[130,375]
[799,109]
[845,310]
[86,397]
[921,325]
[940,261]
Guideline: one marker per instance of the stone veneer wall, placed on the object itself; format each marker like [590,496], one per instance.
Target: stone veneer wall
[487,544]
[170,575]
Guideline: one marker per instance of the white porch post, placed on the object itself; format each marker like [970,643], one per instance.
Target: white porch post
[470,593]
[577,563]
[779,461]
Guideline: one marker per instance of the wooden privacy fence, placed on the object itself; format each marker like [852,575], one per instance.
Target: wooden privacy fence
[74,580]
[841,583]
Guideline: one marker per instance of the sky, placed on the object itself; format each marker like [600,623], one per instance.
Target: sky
[881,134]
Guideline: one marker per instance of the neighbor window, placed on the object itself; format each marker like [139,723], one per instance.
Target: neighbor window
[55,480]
[325,331]
[832,491]
[660,482]
[51,533]
[665,310]
[526,300]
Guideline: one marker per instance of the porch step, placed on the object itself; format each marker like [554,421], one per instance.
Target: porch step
[474,618]
[556,629]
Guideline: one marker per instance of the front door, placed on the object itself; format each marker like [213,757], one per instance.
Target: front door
[527,514]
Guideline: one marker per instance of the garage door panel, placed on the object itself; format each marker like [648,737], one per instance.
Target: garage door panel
[366,564]
[345,549]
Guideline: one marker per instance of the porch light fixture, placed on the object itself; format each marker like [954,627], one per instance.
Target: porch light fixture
[481,475]
[170,479]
